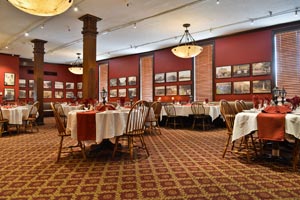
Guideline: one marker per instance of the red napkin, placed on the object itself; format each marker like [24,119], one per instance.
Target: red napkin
[277,109]
[105,107]
[86,125]
[271,126]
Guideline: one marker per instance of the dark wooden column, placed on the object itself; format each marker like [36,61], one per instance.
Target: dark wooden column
[38,67]
[89,32]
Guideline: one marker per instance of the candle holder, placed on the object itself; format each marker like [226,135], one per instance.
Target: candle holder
[103,94]
[275,93]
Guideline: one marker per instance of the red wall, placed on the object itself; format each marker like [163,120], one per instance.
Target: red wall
[243,48]
[9,64]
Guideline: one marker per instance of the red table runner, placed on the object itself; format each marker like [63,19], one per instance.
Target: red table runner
[271,126]
[86,125]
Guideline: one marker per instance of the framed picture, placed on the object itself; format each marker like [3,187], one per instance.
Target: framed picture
[9,79]
[79,86]
[70,85]
[132,80]
[122,92]
[58,85]
[261,68]
[22,94]
[122,81]
[131,92]
[113,82]
[113,93]
[223,88]
[79,94]
[241,70]
[47,84]
[171,76]
[261,86]
[30,94]
[171,90]
[59,94]
[184,75]
[159,78]
[223,72]
[69,95]
[185,89]
[241,87]
[47,94]
[159,91]
[31,83]
[9,94]
[22,83]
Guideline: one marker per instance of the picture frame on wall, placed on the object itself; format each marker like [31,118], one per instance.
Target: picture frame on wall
[159,91]
[31,83]
[261,68]
[185,89]
[261,86]
[171,77]
[79,94]
[223,88]
[58,85]
[122,81]
[122,92]
[47,84]
[79,86]
[22,83]
[241,87]
[69,95]
[131,92]
[70,85]
[113,93]
[47,94]
[59,94]
[184,75]
[159,78]
[241,70]
[9,79]
[9,94]
[30,94]
[132,80]
[171,90]
[22,94]
[113,82]
[223,72]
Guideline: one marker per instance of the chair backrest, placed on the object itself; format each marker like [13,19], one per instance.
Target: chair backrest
[238,106]
[245,107]
[198,108]
[34,109]
[137,117]
[228,113]
[156,106]
[59,124]
[170,109]
[59,109]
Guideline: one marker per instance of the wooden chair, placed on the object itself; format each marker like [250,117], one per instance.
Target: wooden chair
[31,119]
[61,113]
[228,112]
[172,118]
[135,128]
[62,134]
[152,122]
[239,106]
[245,107]
[199,113]
[3,123]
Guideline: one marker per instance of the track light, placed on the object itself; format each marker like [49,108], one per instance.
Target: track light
[296,12]
[218,2]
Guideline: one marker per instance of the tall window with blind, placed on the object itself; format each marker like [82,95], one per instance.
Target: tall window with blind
[146,78]
[287,61]
[103,77]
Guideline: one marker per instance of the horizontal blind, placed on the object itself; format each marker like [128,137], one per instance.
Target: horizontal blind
[146,78]
[103,76]
[287,54]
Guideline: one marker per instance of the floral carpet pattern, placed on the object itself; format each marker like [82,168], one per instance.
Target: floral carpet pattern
[183,164]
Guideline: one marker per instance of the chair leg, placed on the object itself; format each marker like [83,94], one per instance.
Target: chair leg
[193,126]
[82,147]
[130,144]
[116,146]
[296,154]
[226,146]
[144,144]
[59,148]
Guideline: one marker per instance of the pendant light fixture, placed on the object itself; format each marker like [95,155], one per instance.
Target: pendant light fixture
[76,67]
[187,47]
[42,7]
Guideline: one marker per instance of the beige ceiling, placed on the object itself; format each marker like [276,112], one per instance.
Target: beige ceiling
[158,24]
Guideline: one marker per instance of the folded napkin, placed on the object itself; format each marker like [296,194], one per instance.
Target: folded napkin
[105,107]
[86,125]
[277,109]
[271,126]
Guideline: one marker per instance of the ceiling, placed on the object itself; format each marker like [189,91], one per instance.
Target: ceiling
[136,26]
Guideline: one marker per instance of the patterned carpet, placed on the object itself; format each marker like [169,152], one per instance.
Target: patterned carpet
[184,164]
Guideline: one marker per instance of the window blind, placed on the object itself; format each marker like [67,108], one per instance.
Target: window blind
[146,78]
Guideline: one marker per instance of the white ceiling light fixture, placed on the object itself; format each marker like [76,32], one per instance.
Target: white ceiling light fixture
[187,47]
[42,7]
[76,67]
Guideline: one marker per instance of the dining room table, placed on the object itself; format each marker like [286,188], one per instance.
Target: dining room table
[69,107]
[15,114]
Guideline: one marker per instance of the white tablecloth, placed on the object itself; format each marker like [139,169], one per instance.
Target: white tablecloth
[15,115]
[246,123]
[185,110]
[109,123]
[68,108]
